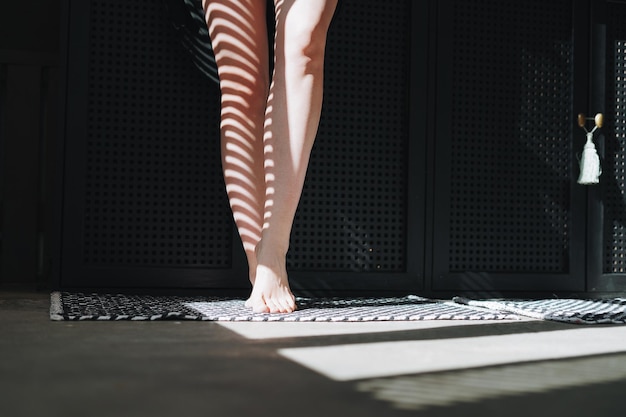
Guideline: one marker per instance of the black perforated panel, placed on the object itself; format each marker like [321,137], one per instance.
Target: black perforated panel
[154,188]
[353,211]
[511,146]
[614,165]
[147,158]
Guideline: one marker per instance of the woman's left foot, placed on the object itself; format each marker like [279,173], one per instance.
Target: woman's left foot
[271,292]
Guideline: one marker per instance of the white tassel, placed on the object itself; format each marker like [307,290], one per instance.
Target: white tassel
[590,169]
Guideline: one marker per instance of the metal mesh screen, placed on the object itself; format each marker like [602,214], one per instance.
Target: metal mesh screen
[353,211]
[614,131]
[511,148]
[154,188]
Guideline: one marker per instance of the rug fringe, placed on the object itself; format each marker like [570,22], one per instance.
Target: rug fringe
[56,307]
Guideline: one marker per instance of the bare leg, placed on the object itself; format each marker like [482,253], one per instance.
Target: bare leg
[292,118]
[238,32]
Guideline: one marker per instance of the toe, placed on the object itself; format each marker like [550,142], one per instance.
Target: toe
[287,305]
[273,305]
[261,307]
[258,305]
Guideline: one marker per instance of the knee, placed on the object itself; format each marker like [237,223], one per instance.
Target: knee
[304,48]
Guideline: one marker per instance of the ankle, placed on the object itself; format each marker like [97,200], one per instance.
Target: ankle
[272,256]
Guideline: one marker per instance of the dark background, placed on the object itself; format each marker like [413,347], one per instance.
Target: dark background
[29,68]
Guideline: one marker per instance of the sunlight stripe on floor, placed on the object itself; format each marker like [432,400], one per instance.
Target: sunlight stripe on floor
[419,392]
[371,360]
[277,330]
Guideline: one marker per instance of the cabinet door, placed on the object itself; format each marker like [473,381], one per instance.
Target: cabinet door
[143,196]
[508,213]
[607,220]
[359,226]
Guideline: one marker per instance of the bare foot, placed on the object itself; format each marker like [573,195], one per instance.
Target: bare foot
[271,292]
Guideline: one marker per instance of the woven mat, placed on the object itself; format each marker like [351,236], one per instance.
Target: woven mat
[606,311]
[77,306]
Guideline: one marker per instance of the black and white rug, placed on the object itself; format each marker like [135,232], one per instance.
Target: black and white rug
[80,306]
[77,306]
[602,311]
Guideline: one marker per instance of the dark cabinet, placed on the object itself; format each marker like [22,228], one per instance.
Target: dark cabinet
[446,159]
[509,214]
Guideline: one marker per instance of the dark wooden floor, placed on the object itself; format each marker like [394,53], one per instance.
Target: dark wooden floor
[199,369]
